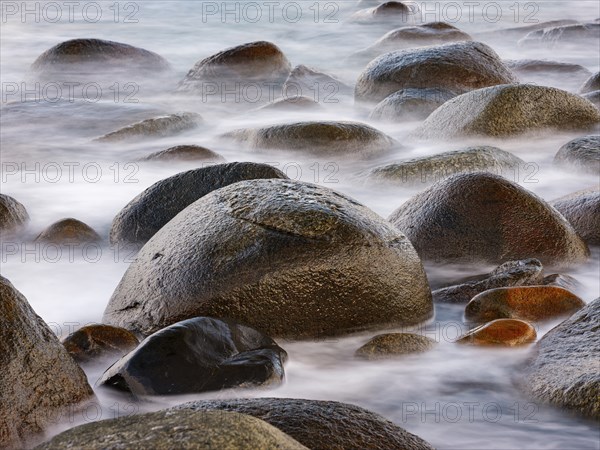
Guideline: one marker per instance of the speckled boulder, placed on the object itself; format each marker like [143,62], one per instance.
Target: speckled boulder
[68,231]
[510,110]
[523,302]
[185,430]
[198,355]
[392,345]
[259,62]
[185,153]
[99,342]
[504,332]
[321,425]
[483,217]
[581,155]
[458,67]
[591,84]
[148,212]
[321,138]
[526,272]
[13,215]
[564,370]
[410,104]
[582,210]
[288,258]
[428,169]
[397,13]
[156,127]
[39,381]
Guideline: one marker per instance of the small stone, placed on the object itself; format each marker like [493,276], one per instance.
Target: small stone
[387,346]
[591,84]
[525,302]
[185,153]
[582,210]
[580,155]
[13,215]
[157,127]
[505,332]
[68,231]
[93,342]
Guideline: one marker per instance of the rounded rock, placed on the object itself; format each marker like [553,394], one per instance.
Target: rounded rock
[291,259]
[481,217]
[68,231]
[581,154]
[582,210]
[392,11]
[410,104]
[523,302]
[566,35]
[156,127]
[591,84]
[503,332]
[93,342]
[185,153]
[13,215]
[391,345]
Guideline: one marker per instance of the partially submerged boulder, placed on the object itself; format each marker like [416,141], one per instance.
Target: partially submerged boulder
[99,342]
[387,12]
[581,154]
[410,104]
[393,345]
[580,34]
[68,231]
[13,215]
[501,332]
[591,84]
[582,210]
[185,153]
[156,127]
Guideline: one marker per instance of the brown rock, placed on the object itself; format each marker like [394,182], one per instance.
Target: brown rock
[386,346]
[185,153]
[68,231]
[13,215]
[98,342]
[396,12]
[524,302]
[309,82]
[580,155]
[505,332]
[582,210]
[155,128]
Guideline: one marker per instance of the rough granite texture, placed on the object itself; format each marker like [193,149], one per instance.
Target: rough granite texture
[391,345]
[580,155]
[582,210]
[13,215]
[67,231]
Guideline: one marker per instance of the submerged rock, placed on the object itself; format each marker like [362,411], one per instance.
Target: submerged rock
[322,138]
[567,76]
[593,97]
[526,272]
[509,110]
[68,231]
[185,153]
[319,424]
[481,217]
[458,67]
[291,104]
[563,35]
[175,429]
[396,12]
[39,381]
[523,302]
[198,355]
[410,104]
[521,31]
[95,342]
[155,128]
[291,259]
[429,169]
[591,84]
[308,82]
[564,370]
[581,154]
[152,209]
[504,332]
[582,210]
[13,215]
[386,346]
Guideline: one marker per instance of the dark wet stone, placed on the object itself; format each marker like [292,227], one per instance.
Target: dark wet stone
[458,67]
[185,430]
[68,231]
[198,355]
[428,169]
[567,76]
[392,345]
[289,258]
[523,302]
[321,425]
[582,154]
[322,138]
[310,82]
[152,209]
[397,13]
[593,97]
[504,332]
[95,342]
[481,217]
[526,272]
[561,280]
[490,112]
[39,381]
[157,127]
[582,210]
[13,215]
[591,84]
[564,371]
[185,153]
[410,104]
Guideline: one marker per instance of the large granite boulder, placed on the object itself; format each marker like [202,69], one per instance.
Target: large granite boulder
[288,258]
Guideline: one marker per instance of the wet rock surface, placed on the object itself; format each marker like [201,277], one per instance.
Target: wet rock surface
[410,104]
[582,210]
[198,355]
[187,430]
[39,381]
[524,302]
[458,67]
[321,424]
[393,345]
[564,369]
[526,272]
[185,153]
[510,110]
[562,35]
[501,332]
[581,154]
[157,127]
[13,215]
[312,83]
[486,218]
[152,209]
[289,258]
[397,12]
[591,84]
[98,342]
[68,231]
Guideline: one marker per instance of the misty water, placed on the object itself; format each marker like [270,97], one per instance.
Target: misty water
[453,396]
